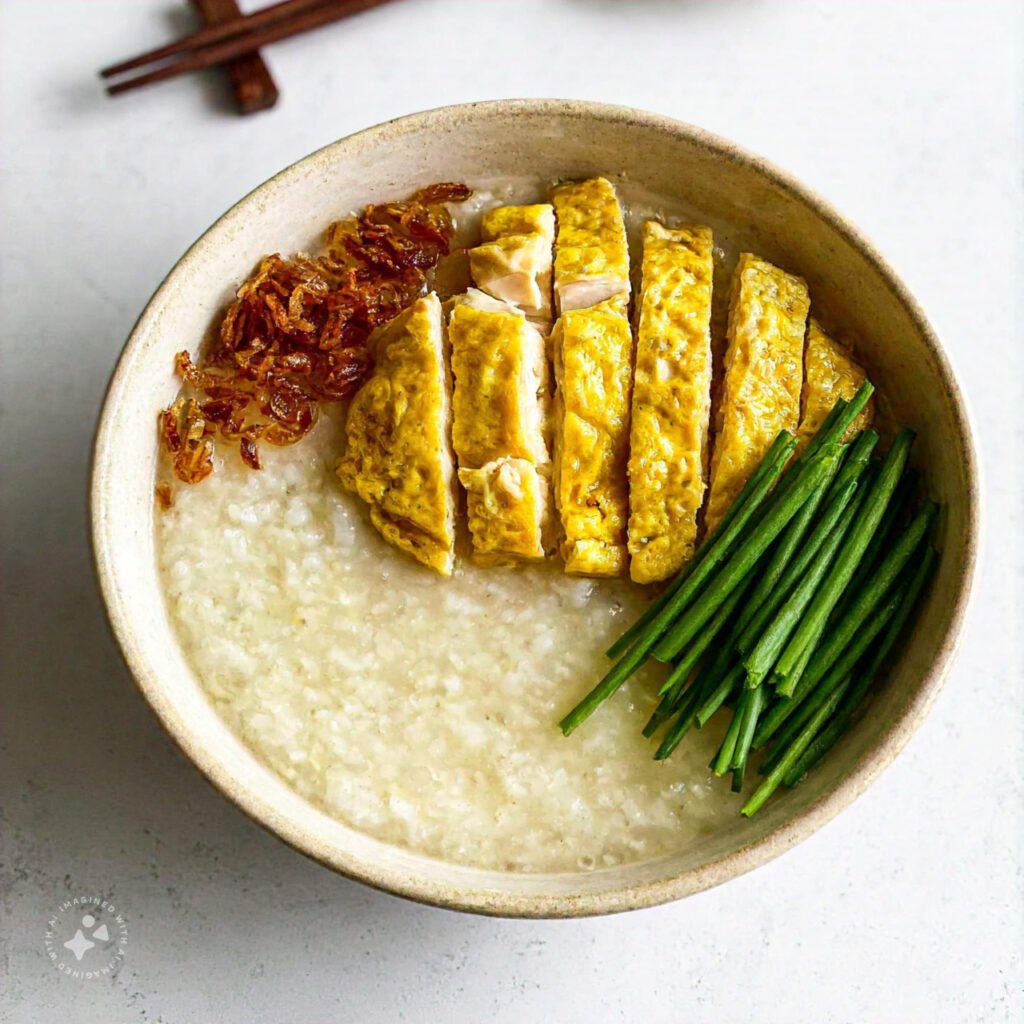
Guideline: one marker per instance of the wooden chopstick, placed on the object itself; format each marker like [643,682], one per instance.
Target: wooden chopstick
[210,34]
[232,48]
[251,81]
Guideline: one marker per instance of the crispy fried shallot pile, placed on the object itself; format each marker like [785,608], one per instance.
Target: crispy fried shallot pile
[295,335]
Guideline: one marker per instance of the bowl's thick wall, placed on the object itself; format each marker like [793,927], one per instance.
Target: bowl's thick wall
[546,140]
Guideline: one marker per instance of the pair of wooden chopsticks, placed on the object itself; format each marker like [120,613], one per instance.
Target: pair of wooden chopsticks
[229,40]
[251,81]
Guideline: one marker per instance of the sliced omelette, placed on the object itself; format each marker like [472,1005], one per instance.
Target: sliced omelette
[671,400]
[591,254]
[398,456]
[500,370]
[507,504]
[829,374]
[513,262]
[593,356]
[763,374]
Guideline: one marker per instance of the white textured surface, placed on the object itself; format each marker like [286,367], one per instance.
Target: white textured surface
[906,908]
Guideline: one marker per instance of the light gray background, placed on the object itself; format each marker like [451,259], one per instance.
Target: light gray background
[907,908]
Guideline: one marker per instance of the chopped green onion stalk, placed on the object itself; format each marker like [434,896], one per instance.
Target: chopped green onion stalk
[847,559]
[841,495]
[730,682]
[832,430]
[752,704]
[839,670]
[792,755]
[722,761]
[867,674]
[745,557]
[683,668]
[623,643]
[786,548]
[719,544]
[769,645]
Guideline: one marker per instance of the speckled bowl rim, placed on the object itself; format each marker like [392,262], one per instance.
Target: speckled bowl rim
[627,897]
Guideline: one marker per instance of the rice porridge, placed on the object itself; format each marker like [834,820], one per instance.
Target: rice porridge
[418,710]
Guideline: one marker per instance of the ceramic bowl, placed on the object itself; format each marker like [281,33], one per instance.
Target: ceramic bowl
[545,139]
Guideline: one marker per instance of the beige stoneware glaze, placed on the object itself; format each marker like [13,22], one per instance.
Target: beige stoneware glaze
[540,139]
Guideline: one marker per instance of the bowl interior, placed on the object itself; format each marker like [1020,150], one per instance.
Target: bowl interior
[541,140]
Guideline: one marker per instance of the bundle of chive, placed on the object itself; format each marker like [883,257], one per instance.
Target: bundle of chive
[789,608]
